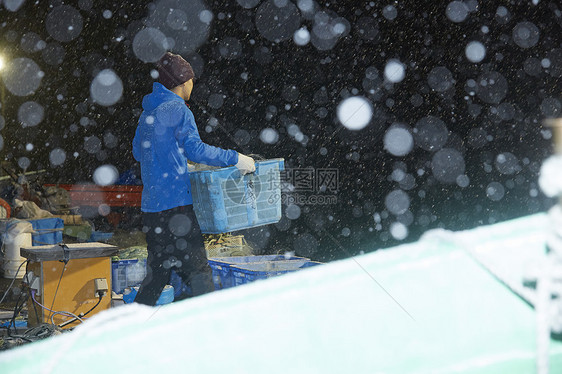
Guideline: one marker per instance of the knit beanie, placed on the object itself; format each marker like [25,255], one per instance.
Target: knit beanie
[173,70]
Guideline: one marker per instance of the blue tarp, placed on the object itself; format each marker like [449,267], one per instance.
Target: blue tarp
[48,230]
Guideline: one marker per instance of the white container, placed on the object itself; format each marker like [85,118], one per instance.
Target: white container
[12,258]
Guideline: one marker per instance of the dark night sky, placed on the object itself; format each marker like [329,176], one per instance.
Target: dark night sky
[247,83]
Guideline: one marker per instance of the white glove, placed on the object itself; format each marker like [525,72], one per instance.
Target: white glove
[245,164]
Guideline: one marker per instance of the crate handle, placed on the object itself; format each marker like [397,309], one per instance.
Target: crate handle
[256,156]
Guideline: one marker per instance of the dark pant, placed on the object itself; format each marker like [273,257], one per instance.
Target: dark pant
[174,243]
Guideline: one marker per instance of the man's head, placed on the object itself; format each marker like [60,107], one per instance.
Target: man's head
[176,74]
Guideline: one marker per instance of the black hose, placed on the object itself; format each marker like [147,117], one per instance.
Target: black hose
[82,314]
[17,309]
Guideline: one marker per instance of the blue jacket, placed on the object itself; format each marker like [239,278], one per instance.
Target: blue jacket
[165,139]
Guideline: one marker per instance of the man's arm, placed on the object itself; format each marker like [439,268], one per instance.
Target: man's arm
[197,151]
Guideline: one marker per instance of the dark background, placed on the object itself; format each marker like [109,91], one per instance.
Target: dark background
[313,82]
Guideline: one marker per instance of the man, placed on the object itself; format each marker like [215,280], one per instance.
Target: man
[166,137]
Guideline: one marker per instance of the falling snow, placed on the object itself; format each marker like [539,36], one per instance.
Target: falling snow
[428,117]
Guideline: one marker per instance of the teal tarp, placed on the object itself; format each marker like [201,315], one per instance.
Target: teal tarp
[427,307]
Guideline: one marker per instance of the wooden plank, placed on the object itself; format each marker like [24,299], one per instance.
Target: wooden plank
[71,251]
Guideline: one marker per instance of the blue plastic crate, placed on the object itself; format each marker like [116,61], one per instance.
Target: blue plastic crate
[166,297]
[179,286]
[130,273]
[127,273]
[17,324]
[222,277]
[225,201]
[47,230]
[222,272]
[262,270]
[98,236]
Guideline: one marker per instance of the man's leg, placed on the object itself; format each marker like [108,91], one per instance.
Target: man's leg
[194,269]
[159,241]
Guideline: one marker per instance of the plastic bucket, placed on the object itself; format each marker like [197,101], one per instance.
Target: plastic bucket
[12,258]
